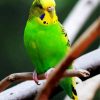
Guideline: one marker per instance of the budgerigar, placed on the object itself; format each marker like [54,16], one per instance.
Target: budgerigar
[46,42]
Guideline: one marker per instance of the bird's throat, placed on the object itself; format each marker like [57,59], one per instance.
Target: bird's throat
[47,18]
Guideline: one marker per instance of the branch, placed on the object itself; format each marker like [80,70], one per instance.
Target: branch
[18,77]
[23,91]
[12,78]
[88,37]
[89,62]
[28,90]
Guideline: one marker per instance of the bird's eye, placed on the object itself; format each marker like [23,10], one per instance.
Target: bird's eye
[40,6]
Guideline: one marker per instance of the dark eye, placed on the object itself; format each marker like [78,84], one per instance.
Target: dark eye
[40,6]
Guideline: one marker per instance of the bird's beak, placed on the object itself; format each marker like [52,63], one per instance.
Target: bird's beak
[50,9]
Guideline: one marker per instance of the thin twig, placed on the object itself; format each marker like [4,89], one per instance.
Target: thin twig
[15,77]
[87,38]
[18,77]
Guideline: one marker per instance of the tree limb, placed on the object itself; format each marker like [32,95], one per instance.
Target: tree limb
[28,90]
[18,77]
[24,91]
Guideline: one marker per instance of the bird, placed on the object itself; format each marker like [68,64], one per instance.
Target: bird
[46,42]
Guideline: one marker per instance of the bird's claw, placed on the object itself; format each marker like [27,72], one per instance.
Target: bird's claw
[49,72]
[35,78]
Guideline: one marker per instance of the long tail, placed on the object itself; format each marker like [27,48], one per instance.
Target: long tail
[68,84]
[74,93]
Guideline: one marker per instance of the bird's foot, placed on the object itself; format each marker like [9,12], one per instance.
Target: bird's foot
[35,78]
[49,72]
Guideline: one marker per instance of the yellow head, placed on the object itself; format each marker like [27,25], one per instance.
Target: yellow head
[44,11]
[47,3]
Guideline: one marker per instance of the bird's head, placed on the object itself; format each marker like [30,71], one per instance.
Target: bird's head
[44,11]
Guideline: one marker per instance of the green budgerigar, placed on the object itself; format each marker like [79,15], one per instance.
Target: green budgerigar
[46,42]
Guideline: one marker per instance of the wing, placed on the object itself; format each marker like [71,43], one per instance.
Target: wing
[68,84]
[65,33]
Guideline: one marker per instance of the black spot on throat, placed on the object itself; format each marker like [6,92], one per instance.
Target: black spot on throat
[44,22]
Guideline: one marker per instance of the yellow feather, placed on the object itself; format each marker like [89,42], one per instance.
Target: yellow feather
[47,3]
[74,85]
[49,18]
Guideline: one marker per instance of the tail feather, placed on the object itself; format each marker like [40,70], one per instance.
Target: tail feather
[74,92]
[68,84]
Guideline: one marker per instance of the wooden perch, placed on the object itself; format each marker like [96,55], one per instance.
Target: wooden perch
[82,43]
[17,77]
[27,90]
[88,60]
[23,91]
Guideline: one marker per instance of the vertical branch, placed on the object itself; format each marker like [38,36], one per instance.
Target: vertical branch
[82,43]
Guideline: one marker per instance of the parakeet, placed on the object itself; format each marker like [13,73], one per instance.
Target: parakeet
[46,41]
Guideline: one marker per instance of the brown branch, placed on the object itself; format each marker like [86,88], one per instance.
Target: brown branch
[17,77]
[86,39]
[14,78]
[28,90]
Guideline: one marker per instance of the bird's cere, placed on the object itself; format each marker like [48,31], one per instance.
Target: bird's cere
[50,9]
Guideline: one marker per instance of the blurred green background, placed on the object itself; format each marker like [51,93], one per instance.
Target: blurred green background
[13,17]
